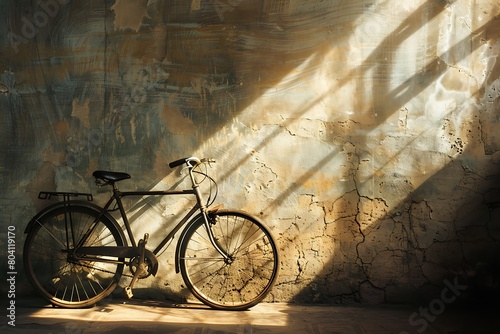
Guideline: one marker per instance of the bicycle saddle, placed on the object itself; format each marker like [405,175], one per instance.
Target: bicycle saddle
[110,176]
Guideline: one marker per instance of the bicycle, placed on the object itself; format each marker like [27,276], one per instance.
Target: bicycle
[75,251]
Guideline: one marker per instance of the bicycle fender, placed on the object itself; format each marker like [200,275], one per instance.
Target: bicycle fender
[181,240]
[58,205]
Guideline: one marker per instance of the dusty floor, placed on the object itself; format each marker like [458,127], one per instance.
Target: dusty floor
[141,316]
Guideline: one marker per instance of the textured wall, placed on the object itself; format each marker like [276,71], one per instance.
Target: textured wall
[364,133]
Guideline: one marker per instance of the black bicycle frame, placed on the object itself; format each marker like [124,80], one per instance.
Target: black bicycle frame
[117,196]
[130,251]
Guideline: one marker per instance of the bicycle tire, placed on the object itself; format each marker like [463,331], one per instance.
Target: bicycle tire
[245,279]
[61,281]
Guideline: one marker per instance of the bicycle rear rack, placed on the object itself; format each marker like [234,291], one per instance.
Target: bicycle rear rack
[65,195]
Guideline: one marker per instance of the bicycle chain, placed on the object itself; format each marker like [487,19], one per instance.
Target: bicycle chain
[102,270]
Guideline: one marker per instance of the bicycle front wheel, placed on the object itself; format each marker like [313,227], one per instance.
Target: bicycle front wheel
[57,276]
[245,277]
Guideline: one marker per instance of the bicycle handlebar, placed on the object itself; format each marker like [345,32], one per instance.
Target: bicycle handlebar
[176,163]
[189,161]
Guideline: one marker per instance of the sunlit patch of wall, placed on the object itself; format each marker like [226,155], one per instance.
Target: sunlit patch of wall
[369,190]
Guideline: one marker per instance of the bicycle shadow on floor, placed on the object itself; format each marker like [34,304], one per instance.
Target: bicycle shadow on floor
[34,315]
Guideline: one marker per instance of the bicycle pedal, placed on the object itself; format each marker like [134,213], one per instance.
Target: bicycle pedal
[129,293]
[146,237]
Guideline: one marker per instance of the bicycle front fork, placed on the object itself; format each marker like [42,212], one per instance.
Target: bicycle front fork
[208,225]
[206,213]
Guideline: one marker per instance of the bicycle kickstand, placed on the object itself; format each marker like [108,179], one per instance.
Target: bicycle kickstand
[141,266]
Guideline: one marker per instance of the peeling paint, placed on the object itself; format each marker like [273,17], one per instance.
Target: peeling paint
[129,14]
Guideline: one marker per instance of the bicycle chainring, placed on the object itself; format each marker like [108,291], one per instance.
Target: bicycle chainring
[134,263]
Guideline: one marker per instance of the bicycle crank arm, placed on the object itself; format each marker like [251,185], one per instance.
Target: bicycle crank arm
[141,266]
[115,251]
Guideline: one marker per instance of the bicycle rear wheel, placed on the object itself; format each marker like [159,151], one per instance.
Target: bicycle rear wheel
[239,282]
[61,279]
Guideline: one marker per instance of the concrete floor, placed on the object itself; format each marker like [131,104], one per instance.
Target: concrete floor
[141,316]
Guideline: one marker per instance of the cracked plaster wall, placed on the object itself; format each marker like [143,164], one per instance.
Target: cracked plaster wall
[364,133]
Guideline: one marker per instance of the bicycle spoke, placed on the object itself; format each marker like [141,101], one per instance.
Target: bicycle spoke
[51,234]
[241,280]
[65,281]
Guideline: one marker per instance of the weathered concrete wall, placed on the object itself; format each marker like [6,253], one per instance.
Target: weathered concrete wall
[364,133]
